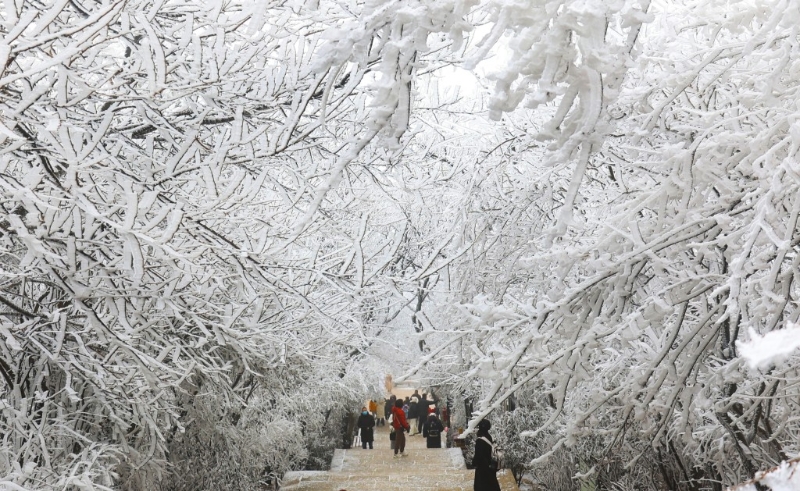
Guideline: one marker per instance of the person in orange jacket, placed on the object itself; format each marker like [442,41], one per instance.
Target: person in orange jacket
[373,408]
[401,426]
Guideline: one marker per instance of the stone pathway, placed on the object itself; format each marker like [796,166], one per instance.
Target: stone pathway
[424,469]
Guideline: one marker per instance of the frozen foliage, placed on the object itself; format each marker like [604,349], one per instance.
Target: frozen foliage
[175,263]
[210,211]
[771,348]
[624,237]
[785,477]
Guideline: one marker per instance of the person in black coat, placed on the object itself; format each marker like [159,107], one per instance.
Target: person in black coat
[423,410]
[413,414]
[387,407]
[485,475]
[432,430]
[366,423]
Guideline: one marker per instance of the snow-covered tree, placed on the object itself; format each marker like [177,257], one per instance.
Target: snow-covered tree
[179,223]
[642,223]
[207,205]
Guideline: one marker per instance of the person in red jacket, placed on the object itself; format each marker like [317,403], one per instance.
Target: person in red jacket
[400,427]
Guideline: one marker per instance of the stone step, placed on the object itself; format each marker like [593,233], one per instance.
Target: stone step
[382,481]
[423,459]
[390,481]
[423,469]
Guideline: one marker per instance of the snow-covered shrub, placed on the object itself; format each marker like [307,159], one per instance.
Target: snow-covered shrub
[284,425]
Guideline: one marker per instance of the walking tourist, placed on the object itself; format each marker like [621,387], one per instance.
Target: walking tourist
[387,406]
[373,408]
[483,462]
[425,408]
[413,414]
[434,402]
[400,425]
[432,430]
[366,423]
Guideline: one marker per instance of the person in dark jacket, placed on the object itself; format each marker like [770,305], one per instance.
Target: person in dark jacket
[432,430]
[485,475]
[422,412]
[387,407]
[413,414]
[366,423]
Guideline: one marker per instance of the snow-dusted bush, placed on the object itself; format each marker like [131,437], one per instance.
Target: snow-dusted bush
[247,447]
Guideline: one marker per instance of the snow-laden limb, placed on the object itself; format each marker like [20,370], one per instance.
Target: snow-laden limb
[184,238]
[684,236]
[771,348]
[784,477]
[208,211]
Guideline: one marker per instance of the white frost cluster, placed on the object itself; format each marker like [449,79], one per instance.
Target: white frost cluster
[771,348]
[785,477]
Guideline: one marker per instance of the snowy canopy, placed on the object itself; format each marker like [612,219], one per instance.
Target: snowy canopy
[223,223]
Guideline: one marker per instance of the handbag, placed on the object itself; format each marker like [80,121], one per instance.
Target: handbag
[392,435]
[495,463]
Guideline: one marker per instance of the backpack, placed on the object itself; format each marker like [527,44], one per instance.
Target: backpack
[496,463]
[433,429]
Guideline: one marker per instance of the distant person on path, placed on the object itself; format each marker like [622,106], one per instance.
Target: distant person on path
[387,407]
[424,410]
[485,474]
[432,430]
[413,414]
[373,408]
[415,397]
[366,423]
[400,425]
[435,404]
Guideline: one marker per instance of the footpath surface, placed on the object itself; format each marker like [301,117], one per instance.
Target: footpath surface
[424,469]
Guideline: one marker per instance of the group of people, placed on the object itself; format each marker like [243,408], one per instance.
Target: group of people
[409,415]
[416,414]
[404,416]
[418,408]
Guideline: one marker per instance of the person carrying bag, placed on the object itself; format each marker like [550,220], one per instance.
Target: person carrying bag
[432,430]
[400,426]
[485,461]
